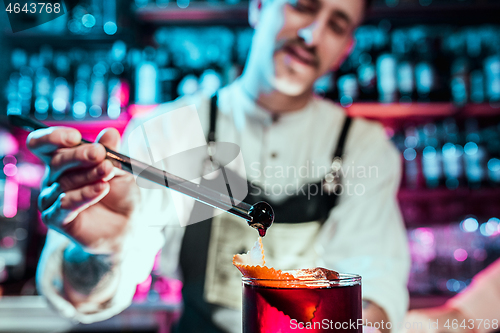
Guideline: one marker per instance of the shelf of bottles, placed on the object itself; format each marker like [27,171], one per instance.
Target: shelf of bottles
[450,170]
[392,72]
[84,19]
[61,84]
[236,11]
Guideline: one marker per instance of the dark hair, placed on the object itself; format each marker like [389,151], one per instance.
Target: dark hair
[368,4]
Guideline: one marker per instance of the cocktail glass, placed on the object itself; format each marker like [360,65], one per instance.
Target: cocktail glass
[311,305]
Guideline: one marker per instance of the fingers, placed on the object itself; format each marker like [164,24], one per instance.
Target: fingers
[46,141]
[110,137]
[48,196]
[83,156]
[68,205]
[74,180]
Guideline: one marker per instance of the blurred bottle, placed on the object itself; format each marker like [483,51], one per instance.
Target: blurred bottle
[118,87]
[475,55]
[367,77]
[366,54]
[401,47]
[412,167]
[459,81]
[109,17]
[492,74]
[348,89]
[477,85]
[146,80]
[386,78]
[491,138]
[424,79]
[432,157]
[81,91]
[474,156]
[60,98]
[452,156]
[43,88]
[188,85]
[98,91]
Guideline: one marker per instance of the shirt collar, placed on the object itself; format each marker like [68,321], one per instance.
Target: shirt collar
[256,112]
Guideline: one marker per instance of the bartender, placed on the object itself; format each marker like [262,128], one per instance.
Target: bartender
[105,230]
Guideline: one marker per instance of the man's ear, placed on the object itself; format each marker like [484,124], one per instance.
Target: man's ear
[254,8]
[345,53]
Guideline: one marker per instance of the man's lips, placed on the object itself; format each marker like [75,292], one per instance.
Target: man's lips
[301,55]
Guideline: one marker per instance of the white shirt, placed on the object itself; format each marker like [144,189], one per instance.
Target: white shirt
[364,233]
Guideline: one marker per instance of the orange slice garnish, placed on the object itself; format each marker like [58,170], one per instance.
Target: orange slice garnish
[253,265]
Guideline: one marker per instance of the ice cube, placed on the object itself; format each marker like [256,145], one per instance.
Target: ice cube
[318,273]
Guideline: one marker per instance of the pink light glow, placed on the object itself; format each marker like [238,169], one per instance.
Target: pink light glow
[142,289]
[9,159]
[460,255]
[10,170]
[8,242]
[10,198]
[137,109]
[424,236]
[124,94]
[8,144]
[29,174]
[24,201]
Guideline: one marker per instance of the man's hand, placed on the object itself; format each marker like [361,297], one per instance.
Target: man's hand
[424,321]
[83,195]
[375,316]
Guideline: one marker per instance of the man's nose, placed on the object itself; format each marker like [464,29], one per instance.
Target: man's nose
[311,34]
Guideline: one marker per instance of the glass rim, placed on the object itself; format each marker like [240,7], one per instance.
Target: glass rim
[343,278]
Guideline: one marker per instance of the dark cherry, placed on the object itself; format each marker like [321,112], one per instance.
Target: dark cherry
[262,217]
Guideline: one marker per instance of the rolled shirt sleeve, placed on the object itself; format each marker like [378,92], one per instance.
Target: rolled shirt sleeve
[156,222]
[365,233]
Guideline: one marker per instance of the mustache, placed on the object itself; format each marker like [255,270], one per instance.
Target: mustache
[285,44]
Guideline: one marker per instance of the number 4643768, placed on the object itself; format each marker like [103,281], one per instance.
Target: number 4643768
[471,324]
[34,8]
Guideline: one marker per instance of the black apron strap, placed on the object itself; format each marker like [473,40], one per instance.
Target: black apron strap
[213,118]
[337,156]
[342,138]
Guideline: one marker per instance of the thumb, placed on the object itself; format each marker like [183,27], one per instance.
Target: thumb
[110,137]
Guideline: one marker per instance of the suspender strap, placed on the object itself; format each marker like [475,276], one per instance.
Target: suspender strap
[213,118]
[342,138]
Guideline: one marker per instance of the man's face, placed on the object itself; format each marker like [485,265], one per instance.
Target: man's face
[304,38]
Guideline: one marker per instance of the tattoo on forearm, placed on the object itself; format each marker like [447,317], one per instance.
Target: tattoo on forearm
[90,275]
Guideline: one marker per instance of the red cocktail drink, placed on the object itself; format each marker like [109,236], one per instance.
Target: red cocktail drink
[302,305]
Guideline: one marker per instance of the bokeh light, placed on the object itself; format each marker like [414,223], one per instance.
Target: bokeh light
[460,255]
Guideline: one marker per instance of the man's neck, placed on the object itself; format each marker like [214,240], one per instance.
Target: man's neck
[273,100]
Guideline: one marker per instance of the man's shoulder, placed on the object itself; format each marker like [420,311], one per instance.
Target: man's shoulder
[367,139]
[330,111]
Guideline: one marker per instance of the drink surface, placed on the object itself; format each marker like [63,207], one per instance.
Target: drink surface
[305,309]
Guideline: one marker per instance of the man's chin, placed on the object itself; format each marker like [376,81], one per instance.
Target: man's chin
[291,87]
